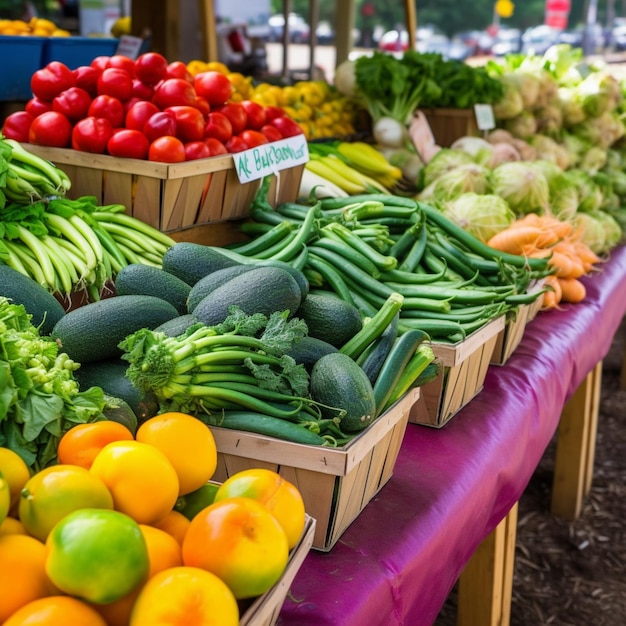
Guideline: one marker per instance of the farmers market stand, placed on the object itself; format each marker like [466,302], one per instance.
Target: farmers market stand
[450,507]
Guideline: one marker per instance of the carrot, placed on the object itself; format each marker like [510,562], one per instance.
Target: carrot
[572,290]
[513,240]
[562,264]
[552,297]
[586,254]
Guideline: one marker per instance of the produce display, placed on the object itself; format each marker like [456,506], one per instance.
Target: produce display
[36,27]
[78,543]
[306,329]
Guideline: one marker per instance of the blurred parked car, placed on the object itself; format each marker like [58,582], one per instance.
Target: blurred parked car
[324,33]
[507,41]
[618,37]
[299,30]
[538,39]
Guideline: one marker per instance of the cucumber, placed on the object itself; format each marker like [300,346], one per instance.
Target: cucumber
[44,308]
[301,279]
[191,261]
[147,280]
[338,381]
[118,410]
[309,350]
[330,318]
[379,349]
[177,325]
[262,424]
[261,290]
[93,332]
[212,281]
[110,376]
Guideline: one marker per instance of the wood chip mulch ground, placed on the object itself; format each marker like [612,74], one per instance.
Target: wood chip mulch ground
[574,573]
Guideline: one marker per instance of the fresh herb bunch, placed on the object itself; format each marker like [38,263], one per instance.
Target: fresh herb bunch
[39,397]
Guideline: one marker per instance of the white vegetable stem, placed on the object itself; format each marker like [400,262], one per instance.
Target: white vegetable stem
[390,132]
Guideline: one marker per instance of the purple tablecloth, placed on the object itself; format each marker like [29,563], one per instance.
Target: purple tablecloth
[398,561]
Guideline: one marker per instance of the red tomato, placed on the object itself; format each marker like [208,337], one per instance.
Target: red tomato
[51,129]
[177,69]
[167,149]
[218,126]
[235,112]
[109,107]
[255,113]
[271,132]
[196,150]
[189,123]
[214,86]
[253,138]
[236,144]
[272,112]
[16,126]
[122,62]
[161,124]
[115,82]
[87,79]
[91,134]
[151,67]
[139,113]
[51,80]
[142,90]
[72,102]
[36,106]
[215,146]
[100,62]
[286,126]
[202,105]
[128,143]
[174,92]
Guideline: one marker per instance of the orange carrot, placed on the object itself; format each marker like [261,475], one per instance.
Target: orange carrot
[562,263]
[551,298]
[512,240]
[572,290]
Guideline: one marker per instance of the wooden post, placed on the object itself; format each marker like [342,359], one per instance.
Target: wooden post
[486,584]
[208,30]
[575,447]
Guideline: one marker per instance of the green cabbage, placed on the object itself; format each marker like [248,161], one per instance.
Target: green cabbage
[612,229]
[593,159]
[589,192]
[481,215]
[592,231]
[462,179]
[522,185]
[443,161]
[511,103]
[572,111]
[523,125]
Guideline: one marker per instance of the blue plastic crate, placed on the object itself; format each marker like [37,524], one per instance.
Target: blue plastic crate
[76,51]
[21,55]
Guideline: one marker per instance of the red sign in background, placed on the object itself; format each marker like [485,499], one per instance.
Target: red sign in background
[557,13]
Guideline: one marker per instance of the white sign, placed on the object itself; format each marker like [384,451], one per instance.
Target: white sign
[129,46]
[485,119]
[270,158]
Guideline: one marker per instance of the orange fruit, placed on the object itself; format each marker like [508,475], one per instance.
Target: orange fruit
[174,523]
[282,498]
[15,472]
[5,498]
[52,493]
[186,442]
[80,444]
[12,526]
[23,575]
[97,555]
[143,482]
[56,611]
[185,595]
[239,541]
[163,550]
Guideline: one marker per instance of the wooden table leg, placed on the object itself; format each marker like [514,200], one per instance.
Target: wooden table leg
[486,584]
[575,447]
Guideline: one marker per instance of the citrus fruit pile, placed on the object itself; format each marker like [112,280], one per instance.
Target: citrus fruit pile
[128,530]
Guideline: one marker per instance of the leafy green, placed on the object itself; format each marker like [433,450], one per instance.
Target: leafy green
[39,397]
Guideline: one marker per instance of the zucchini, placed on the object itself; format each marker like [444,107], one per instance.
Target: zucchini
[309,350]
[400,354]
[212,281]
[299,276]
[262,424]
[147,280]
[338,381]
[44,308]
[261,290]
[378,350]
[93,332]
[110,376]
[118,410]
[191,261]
[177,325]
[330,318]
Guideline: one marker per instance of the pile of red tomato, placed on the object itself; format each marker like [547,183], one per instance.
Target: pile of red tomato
[142,109]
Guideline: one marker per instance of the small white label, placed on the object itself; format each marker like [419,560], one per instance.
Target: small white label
[129,46]
[422,137]
[270,158]
[485,119]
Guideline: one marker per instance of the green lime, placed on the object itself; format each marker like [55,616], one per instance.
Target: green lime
[192,503]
